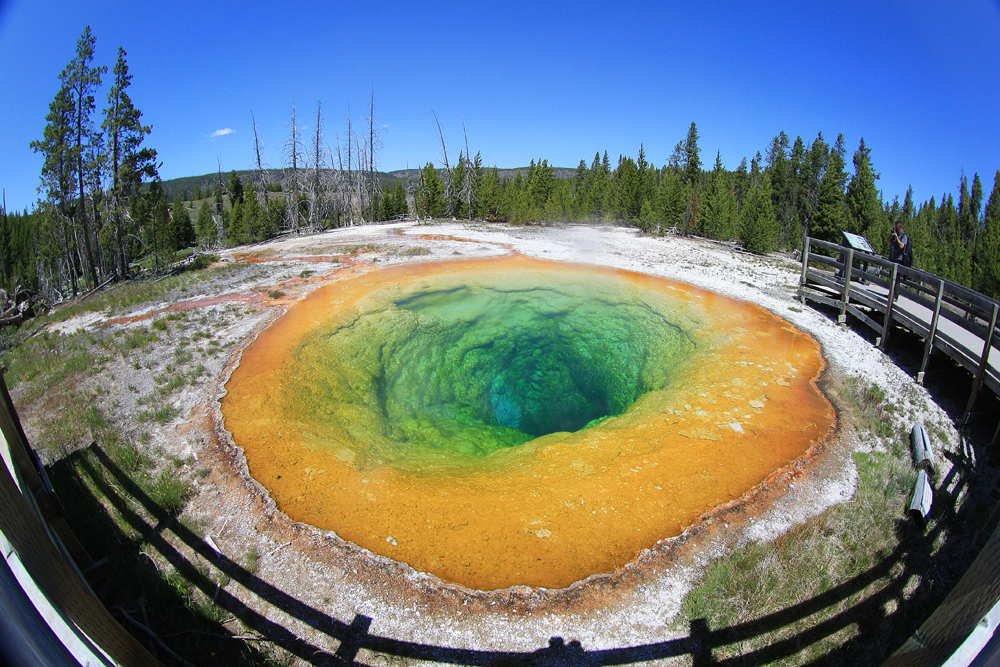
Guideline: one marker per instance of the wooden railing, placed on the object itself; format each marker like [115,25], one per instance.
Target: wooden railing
[950,317]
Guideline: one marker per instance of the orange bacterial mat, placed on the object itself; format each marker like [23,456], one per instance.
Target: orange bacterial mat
[513,421]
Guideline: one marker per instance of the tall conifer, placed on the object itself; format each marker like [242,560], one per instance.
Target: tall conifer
[989,250]
[864,205]
[759,231]
[830,216]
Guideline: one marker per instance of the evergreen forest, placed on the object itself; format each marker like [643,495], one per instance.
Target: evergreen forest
[104,215]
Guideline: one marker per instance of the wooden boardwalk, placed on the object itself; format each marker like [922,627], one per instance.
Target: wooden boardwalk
[949,317]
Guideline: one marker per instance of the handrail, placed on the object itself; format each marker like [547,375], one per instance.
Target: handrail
[963,308]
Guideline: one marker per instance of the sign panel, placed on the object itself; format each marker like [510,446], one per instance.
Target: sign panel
[857,242]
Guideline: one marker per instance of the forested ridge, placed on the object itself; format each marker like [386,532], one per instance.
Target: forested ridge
[103,213]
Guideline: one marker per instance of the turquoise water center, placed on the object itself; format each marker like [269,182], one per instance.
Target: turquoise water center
[476,367]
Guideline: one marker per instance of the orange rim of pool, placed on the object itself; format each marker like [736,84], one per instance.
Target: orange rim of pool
[515,421]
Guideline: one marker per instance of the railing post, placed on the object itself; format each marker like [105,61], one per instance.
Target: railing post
[803,278]
[846,295]
[887,326]
[929,345]
[983,361]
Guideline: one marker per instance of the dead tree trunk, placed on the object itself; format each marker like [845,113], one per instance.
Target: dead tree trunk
[371,153]
[262,176]
[316,191]
[293,155]
[449,186]
[468,184]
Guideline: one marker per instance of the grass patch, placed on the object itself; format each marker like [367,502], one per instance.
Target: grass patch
[253,560]
[174,383]
[135,339]
[161,415]
[875,413]
[125,453]
[203,262]
[276,294]
[52,357]
[168,490]
[356,249]
[63,430]
[414,251]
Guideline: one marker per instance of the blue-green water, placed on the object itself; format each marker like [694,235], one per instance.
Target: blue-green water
[472,368]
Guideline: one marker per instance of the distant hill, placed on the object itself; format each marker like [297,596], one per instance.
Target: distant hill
[187,184]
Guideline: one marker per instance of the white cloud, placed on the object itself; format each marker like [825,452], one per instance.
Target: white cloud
[224,131]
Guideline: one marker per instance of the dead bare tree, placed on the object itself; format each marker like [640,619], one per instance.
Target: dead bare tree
[293,152]
[220,218]
[374,145]
[350,172]
[411,196]
[317,182]
[468,182]
[263,178]
[449,185]
[360,196]
[339,207]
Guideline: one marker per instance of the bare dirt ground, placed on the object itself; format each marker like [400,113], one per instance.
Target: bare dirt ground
[325,582]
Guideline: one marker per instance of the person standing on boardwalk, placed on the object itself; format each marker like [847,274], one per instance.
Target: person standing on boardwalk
[900,247]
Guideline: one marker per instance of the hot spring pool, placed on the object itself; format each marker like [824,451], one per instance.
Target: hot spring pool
[519,422]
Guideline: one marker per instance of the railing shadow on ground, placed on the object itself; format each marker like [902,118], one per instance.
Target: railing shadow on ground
[884,617]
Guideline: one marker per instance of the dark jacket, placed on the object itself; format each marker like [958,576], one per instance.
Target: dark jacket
[902,255]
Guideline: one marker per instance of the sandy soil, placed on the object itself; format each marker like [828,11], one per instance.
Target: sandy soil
[636,605]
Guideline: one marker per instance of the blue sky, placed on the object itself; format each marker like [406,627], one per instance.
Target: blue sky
[920,81]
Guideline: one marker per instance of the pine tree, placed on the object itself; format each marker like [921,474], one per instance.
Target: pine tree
[812,172]
[58,178]
[431,193]
[488,195]
[691,161]
[864,205]
[720,214]
[540,185]
[129,163]
[989,249]
[779,171]
[516,205]
[831,216]
[916,229]
[235,188]
[205,227]
[458,175]
[182,230]
[671,201]
[627,190]
[238,230]
[83,79]
[154,215]
[759,232]
[966,224]
[741,182]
